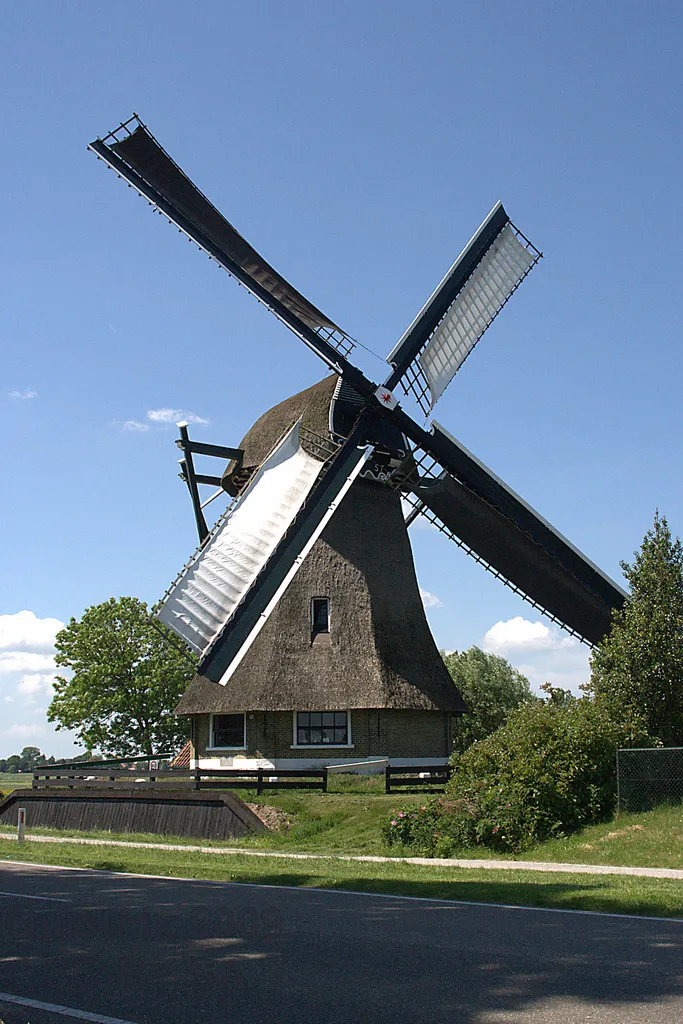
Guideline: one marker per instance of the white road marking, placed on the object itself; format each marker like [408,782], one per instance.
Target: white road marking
[23,896]
[556,867]
[65,1011]
[351,892]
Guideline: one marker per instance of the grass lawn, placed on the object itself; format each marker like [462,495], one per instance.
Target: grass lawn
[658,897]
[652,839]
[348,819]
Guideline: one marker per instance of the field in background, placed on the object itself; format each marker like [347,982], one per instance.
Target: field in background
[11,780]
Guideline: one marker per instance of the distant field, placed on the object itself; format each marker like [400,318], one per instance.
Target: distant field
[11,780]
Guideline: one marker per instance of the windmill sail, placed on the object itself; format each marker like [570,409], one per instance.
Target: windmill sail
[206,594]
[139,158]
[502,530]
[465,304]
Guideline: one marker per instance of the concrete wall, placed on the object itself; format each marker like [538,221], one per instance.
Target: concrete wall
[395,736]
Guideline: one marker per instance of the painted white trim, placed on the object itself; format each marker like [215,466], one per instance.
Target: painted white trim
[244,730]
[373,764]
[322,746]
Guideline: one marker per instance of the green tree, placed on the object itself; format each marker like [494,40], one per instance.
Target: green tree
[30,757]
[127,677]
[638,667]
[490,687]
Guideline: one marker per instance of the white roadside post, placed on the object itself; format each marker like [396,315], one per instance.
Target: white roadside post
[21,825]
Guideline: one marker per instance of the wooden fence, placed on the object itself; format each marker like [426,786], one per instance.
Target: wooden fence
[427,778]
[193,779]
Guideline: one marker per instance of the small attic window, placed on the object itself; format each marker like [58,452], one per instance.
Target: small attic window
[320,615]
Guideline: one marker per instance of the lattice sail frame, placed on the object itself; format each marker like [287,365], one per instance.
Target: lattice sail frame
[427,468]
[415,382]
[335,336]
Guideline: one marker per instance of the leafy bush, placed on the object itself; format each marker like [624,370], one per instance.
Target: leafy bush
[545,773]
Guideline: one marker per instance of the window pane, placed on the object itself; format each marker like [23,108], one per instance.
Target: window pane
[320,615]
[228,731]
[317,728]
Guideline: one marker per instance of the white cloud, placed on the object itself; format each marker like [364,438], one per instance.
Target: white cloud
[24,661]
[134,427]
[23,395]
[173,416]
[21,730]
[24,631]
[542,653]
[27,673]
[36,683]
[519,633]
[430,600]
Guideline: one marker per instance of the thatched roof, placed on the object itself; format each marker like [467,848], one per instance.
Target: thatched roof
[313,405]
[381,653]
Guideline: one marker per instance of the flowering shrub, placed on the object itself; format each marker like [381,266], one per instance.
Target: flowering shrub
[411,826]
[547,772]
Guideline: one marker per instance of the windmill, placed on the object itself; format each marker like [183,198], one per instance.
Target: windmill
[304,467]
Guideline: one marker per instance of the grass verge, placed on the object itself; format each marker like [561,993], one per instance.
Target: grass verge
[348,820]
[625,895]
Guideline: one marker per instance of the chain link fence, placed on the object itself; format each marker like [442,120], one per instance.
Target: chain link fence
[648,776]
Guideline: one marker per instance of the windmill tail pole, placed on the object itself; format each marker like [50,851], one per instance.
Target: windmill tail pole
[191,478]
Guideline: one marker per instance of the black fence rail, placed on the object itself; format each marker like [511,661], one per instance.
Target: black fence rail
[424,778]
[648,777]
[193,779]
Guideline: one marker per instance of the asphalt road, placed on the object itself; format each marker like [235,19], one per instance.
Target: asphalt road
[96,946]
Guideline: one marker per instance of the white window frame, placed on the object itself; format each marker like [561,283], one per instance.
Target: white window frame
[322,746]
[244,731]
[327,632]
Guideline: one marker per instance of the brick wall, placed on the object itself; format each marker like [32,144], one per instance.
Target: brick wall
[374,733]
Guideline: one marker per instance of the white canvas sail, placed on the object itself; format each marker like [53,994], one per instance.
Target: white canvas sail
[503,267]
[205,596]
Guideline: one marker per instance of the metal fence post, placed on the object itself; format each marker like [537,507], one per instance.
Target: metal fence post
[618,786]
[259,782]
[324,780]
[197,778]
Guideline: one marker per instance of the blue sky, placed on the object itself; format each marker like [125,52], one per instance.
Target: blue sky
[358,146]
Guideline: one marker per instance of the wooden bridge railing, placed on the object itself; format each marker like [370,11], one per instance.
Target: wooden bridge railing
[192,779]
